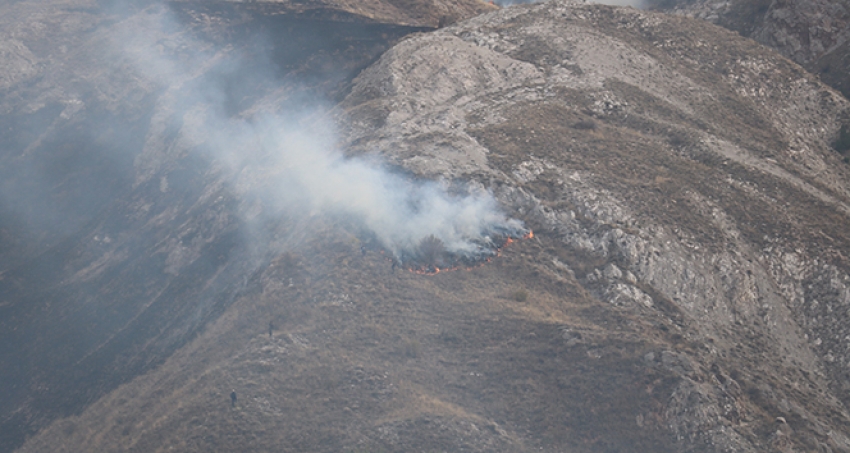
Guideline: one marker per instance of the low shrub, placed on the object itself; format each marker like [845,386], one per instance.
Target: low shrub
[519,295]
[842,144]
[431,250]
[585,125]
[412,349]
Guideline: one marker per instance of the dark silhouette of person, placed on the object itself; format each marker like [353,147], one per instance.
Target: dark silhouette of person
[233,398]
[271,329]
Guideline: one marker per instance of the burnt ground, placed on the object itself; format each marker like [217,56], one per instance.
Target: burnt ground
[319,51]
[503,357]
[74,326]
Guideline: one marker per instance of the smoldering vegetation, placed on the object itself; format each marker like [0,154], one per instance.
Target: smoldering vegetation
[280,154]
[151,197]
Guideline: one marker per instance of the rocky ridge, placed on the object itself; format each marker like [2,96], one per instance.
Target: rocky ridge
[686,288]
[631,157]
[813,33]
[429,13]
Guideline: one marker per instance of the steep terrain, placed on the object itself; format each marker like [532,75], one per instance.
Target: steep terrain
[118,240]
[814,33]
[415,13]
[686,287]
[695,166]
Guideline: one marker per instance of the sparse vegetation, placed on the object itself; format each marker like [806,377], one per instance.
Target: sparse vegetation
[519,295]
[842,143]
[680,139]
[431,250]
[412,348]
[587,124]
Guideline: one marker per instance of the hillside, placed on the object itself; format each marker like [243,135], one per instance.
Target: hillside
[101,177]
[685,287]
[814,33]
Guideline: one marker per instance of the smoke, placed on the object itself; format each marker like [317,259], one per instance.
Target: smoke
[292,165]
[281,152]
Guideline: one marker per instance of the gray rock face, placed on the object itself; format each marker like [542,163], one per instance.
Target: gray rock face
[814,33]
[691,167]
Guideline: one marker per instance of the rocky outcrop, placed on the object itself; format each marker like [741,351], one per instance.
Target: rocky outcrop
[691,167]
[814,33]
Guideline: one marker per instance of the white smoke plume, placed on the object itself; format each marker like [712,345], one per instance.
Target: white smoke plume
[298,169]
[285,155]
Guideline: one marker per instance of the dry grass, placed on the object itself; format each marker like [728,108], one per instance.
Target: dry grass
[367,359]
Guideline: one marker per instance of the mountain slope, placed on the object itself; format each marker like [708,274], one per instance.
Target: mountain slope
[814,33]
[696,171]
[119,238]
[685,288]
